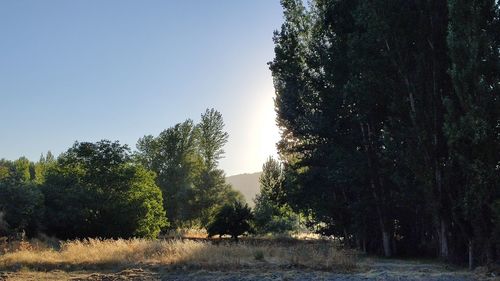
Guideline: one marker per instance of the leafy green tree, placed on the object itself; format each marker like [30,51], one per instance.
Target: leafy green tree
[332,131]
[174,157]
[41,167]
[144,205]
[95,190]
[21,170]
[231,219]
[212,138]
[212,191]
[472,122]
[389,117]
[21,201]
[269,215]
[185,157]
[21,205]
[4,169]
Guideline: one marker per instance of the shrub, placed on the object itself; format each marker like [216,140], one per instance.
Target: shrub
[231,219]
[21,208]
[258,255]
[96,191]
[271,215]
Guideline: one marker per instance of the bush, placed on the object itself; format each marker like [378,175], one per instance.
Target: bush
[231,219]
[96,191]
[271,215]
[270,218]
[21,208]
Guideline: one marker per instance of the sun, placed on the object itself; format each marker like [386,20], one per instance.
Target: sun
[267,130]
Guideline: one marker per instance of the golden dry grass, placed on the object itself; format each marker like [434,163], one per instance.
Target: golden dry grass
[97,253]
[186,233]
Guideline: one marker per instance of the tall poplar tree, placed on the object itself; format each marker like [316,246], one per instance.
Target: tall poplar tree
[473,122]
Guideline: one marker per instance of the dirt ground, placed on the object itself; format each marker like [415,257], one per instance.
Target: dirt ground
[369,269]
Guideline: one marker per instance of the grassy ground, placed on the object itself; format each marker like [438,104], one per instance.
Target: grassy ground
[379,270]
[199,258]
[178,253]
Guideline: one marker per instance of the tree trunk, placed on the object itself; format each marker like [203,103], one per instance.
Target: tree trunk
[386,239]
[394,247]
[471,255]
[490,253]
[443,227]
[376,187]
[443,239]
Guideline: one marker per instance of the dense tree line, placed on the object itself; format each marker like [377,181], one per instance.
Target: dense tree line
[104,189]
[91,190]
[389,112]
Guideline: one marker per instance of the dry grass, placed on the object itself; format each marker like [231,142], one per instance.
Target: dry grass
[177,253]
[186,233]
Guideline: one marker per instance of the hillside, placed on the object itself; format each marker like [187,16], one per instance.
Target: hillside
[248,184]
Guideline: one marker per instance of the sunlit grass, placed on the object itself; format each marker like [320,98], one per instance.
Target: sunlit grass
[97,253]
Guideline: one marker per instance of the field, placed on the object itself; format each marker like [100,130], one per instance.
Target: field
[202,259]
[177,253]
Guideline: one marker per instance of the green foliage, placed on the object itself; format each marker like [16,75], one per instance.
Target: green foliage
[144,205]
[389,118]
[94,190]
[212,138]
[17,171]
[173,157]
[332,110]
[472,121]
[212,191]
[22,171]
[21,206]
[231,219]
[270,216]
[41,167]
[21,201]
[185,158]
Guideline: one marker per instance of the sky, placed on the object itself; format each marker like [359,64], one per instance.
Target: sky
[88,70]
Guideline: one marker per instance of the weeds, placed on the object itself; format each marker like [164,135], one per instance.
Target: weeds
[258,255]
[98,253]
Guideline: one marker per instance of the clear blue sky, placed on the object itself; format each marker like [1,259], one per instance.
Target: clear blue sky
[89,69]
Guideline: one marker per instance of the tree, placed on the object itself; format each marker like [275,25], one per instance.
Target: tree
[21,206]
[185,158]
[173,156]
[472,122]
[269,215]
[212,191]
[231,219]
[389,117]
[212,138]
[41,167]
[21,201]
[332,130]
[95,190]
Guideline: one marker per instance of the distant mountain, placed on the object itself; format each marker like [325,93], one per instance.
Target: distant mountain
[248,184]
